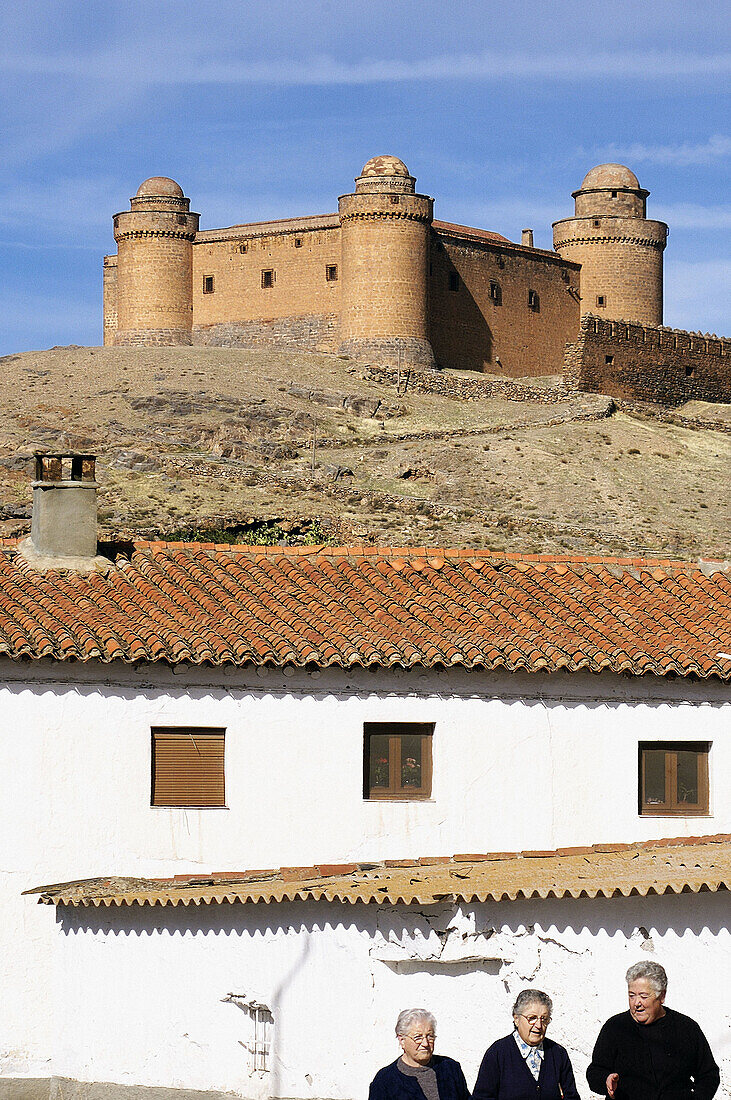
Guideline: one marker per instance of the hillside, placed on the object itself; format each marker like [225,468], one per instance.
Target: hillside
[193,440]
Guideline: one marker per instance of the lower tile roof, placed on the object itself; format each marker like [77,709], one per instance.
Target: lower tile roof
[373,606]
[667,866]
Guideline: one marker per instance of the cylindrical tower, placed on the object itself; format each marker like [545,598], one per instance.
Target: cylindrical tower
[155,266]
[619,249]
[385,256]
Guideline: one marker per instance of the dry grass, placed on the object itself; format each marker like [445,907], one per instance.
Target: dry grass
[197,436]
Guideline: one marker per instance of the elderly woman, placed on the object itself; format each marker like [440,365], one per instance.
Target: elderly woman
[652,1052]
[419,1072]
[525,1064]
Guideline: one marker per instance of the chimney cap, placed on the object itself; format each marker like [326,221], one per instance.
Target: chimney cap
[79,466]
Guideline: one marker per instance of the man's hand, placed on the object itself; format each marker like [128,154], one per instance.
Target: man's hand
[612,1082]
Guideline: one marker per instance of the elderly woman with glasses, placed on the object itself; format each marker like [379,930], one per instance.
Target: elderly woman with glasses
[526,1065]
[419,1072]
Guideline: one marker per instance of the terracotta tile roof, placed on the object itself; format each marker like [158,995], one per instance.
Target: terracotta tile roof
[370,606]
[671,866]
[453,229]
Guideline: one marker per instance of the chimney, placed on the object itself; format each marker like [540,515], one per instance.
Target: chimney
[526,238]
[63,528]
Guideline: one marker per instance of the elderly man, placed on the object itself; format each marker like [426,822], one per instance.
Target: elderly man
[652,1052]
[419,1073]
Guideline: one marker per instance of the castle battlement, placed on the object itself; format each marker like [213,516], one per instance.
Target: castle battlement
[648,362]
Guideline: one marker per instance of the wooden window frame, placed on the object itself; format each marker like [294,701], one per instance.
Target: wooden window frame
[184,788]
[209,284]
[331,273]
[395,731]
[268,278]
[672,807]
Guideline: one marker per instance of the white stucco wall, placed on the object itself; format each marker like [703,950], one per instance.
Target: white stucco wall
[139,992]
[519,763]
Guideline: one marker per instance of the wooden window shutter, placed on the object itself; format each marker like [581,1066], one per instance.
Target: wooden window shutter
[187,766]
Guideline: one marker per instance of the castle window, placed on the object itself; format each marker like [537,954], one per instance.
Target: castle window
[496,294]
[597,223]
[673,778]
[394,200]
[298,242]
[689,371]
[267,279]
[243,247]
[187,766]
[453,280]
[534,302]
[208,284]
[601,300]
[609,360]
[331,273]
[614,194]
[181,219]
[397,760]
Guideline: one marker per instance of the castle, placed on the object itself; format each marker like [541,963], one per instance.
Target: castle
[383,281]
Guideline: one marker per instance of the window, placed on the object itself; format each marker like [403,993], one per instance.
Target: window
[614,194]
[608,360]
[673,778]
[187,766]
[331,273]
[534,301]
[689,371]
[496,294]
[181,219]
[208,284]
[267,279]
[241,248]
[397,759]
[298,242]
[453,280]
[601,300]
[395,200]
[597,223]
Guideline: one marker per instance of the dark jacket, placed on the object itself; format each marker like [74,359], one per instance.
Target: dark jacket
[504,1074]
[654,1061]
[391,1084]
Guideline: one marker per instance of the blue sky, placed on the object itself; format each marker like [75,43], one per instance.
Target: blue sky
[269,108]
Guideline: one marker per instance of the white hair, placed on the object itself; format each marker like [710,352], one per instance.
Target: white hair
[409,1016]
[652,972]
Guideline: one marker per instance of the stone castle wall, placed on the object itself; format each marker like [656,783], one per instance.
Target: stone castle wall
[480,314]
[302,308]
[648,363]
[254,284]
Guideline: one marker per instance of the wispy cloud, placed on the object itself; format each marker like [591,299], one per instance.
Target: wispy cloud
[187,66]
[706,152]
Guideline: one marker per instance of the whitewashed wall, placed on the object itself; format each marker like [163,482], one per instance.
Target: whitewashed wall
[139,992]
[519,763]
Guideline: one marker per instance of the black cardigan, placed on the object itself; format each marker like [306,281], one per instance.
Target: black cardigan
[654,1061]
[391,1084]
[504,1074]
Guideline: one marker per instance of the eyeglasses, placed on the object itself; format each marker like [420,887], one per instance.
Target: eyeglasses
[536,1021]
[420,1040]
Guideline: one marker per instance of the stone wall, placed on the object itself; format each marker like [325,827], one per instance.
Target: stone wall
[648,363]
[267,273]
[314,331]
[480,315]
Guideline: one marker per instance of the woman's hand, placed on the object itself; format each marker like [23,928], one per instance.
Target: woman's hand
[612,1082]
